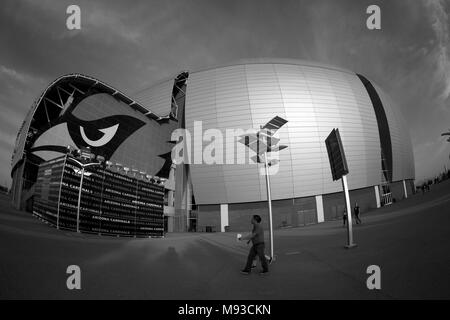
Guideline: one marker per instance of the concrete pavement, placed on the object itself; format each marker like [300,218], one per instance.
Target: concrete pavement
[409,240]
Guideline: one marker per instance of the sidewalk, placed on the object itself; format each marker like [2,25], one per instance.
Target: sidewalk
[408,240]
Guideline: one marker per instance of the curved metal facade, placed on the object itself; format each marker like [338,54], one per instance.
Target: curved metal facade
[314,99]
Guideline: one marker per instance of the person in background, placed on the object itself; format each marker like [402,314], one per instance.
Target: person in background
[356,213]
[344,217]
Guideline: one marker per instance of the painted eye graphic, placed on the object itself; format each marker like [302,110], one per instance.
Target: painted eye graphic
[108,134]
[104,135]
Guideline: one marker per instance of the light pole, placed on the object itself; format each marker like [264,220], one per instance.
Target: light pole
[262,149]
[83,166]
[269,200]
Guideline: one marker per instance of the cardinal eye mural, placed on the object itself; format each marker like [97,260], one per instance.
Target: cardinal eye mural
[81,111]
[103,136]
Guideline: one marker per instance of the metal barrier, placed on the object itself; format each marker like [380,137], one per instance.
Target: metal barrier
[306,217]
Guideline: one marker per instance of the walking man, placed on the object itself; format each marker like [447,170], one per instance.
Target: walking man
[257,249]
[356,212]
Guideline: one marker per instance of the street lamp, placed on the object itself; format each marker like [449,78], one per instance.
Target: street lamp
[83,166]
[262,149]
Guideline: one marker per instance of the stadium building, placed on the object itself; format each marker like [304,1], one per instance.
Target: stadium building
[137,132]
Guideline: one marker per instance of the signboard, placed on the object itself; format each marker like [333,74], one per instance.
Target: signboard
[336,155]
[339,170]
[110,203]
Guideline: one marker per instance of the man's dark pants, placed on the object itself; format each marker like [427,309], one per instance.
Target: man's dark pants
[257,250]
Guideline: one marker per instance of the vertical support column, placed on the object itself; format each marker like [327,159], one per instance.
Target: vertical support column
[170,198]
[170,224]
[319,209]
[223,217]
[377,196]
[188,207]
[404,188]
[170,184]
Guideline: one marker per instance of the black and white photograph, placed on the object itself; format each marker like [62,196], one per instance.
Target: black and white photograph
[225,155]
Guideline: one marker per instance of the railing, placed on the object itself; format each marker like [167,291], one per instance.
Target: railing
[306,217]
[206,229]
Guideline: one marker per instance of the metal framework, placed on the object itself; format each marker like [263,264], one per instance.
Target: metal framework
[386,195]
[178,94]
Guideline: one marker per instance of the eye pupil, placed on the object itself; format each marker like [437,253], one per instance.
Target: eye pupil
[103,135]
[92,133]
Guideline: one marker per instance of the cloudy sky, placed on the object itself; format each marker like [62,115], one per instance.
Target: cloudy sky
[133,44]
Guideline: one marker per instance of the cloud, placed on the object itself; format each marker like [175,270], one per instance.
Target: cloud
[7,140]
[17,86]
[440,24]
[135,45]
[13,74]
[431,157]
[102,24]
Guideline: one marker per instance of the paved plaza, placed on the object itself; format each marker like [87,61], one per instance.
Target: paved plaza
[409,241]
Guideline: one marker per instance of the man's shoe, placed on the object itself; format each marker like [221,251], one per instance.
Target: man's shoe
[262,273]
[245,272]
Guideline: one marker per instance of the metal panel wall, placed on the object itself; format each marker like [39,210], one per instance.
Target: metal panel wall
[314,100]
[233,112]
[207,180]
[266,101]
[157,99]
[304,147]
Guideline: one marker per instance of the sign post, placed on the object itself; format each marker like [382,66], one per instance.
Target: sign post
[350,243]
[339,170]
